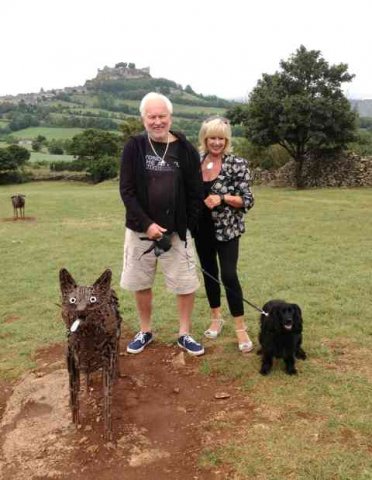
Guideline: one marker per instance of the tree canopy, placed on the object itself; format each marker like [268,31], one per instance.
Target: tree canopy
[131,126]
[301,107]
[93,144]
[13,157]
[97,152]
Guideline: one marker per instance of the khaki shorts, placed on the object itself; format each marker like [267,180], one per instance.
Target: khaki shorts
[177,264]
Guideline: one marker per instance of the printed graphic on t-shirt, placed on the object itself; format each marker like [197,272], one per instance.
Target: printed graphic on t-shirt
[162,178]
[157,164]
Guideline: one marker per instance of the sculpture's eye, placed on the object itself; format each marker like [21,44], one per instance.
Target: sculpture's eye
[72,300]
[93,299]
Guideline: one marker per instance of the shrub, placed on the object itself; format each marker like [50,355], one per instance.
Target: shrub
[103,168]
[73,166]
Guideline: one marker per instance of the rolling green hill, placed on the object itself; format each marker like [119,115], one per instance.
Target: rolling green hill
[104,102]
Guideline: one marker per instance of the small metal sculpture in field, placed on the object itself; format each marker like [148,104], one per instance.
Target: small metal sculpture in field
[92,318]
[18,202]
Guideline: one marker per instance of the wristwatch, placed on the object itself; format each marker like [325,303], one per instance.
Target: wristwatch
[222,198]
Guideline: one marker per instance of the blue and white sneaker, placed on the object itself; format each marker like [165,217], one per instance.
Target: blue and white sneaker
[190,345]
[140,341]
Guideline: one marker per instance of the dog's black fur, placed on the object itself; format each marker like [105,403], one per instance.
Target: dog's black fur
[281,335]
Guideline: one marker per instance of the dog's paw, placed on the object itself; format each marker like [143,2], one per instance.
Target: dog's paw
[301,354]
[264,370]
[291,371]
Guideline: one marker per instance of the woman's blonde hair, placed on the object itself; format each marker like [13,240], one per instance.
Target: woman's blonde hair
[215,127]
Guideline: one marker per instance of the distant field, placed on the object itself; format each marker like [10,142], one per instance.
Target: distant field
[47,132]
[48,157]
[180,109]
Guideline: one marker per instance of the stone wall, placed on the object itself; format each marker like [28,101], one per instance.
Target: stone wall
[348,170]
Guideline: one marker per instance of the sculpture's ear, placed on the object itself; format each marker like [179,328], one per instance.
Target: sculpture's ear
[66,282]
[104,281]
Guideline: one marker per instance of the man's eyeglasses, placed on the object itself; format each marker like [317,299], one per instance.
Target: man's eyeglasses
[217,117]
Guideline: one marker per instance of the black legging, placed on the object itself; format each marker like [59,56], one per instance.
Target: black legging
[208,249]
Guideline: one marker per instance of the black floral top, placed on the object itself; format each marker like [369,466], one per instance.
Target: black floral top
[233,179]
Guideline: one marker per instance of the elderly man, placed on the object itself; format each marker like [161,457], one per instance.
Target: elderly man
[161,187]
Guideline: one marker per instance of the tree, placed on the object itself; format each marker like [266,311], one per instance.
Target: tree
[93,144]
[6,162]
[38,142]
[131,126]
[301,107]
[20,155]
[188,89]
[98,151]
[55,147]
[13,157]
[103,169]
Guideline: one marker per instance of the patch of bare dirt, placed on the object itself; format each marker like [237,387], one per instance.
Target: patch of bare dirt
[349,357]
[19,219]
[11,318]
[164,415]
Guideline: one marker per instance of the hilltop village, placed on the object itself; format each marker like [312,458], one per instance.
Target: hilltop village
[121,71]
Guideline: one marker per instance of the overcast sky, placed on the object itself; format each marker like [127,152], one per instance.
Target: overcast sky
[218,47]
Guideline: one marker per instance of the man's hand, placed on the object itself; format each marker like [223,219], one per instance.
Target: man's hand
[155,231]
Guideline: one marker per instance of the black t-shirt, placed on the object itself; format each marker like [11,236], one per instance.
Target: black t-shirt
[162,180]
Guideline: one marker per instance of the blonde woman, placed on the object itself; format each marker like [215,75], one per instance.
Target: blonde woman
[227,197]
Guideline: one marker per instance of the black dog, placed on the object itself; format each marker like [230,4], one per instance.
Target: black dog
[281,335]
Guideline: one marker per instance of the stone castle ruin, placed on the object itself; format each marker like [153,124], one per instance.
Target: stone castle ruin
[122,71]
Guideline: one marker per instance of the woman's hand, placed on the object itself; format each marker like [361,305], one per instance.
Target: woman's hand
[213,201]
[234,201]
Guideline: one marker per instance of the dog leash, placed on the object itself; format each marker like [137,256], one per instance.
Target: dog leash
[163,244]
[232,291]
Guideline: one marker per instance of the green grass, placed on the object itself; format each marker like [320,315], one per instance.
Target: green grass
[310,247]
[179,109]
[49,133]
[49,157]
[91,100]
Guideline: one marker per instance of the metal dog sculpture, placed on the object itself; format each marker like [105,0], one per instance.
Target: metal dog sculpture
[92,318]
[18,202]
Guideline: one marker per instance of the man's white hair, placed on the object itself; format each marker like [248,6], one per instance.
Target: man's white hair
[155,96]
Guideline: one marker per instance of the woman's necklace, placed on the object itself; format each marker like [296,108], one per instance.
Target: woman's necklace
[210,164]
[162,161]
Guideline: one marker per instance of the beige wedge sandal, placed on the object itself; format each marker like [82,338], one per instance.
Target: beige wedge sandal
[213,334]
[245,347]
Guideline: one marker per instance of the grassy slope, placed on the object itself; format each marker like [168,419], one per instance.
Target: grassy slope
[310,247]
[49,157]
[49,133]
